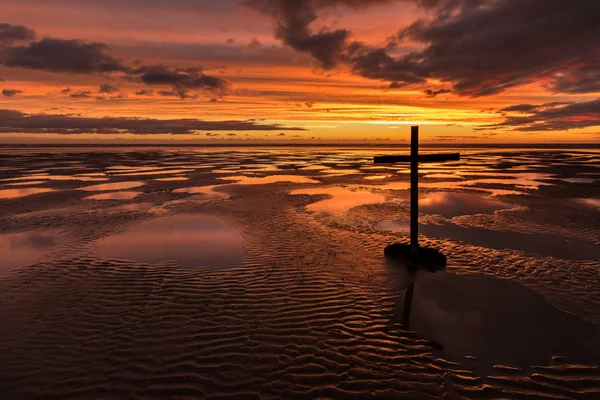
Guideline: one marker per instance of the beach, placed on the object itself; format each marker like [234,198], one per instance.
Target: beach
[245,273]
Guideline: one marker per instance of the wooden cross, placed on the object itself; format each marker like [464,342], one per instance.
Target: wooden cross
[415,158]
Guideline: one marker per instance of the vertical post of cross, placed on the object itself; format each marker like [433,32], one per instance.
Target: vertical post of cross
[414,188]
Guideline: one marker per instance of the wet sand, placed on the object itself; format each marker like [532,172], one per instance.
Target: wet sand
[250,282]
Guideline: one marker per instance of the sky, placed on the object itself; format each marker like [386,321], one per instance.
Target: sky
[482,71]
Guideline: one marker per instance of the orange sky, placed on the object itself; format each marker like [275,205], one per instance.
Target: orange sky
[266,80]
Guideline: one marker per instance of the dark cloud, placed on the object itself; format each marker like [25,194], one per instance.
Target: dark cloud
[12,121]
[82,94]
[144,92]
[180,78]
[550,117]
[12,33]
[76,56]
[58,55]
[434,93]
[491,46]
[254,43]
[11,92]
[177,92]
[65,91]
[478,47]
[106,88]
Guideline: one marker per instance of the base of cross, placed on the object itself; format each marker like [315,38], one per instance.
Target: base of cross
[418,258]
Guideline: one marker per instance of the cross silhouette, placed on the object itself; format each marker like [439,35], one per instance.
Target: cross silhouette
[415,158]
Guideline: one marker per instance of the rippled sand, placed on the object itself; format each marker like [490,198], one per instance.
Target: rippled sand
[267,279]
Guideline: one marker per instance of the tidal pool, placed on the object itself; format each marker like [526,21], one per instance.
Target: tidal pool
[207,192]
[341,198]
[451,205]
[112,186]
[15,193]
[114,196]
[248,180]
[24,248]
[191,240]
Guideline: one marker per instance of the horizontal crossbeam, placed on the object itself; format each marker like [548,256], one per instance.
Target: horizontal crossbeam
[421,158]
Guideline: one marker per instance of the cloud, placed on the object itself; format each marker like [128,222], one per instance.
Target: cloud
[179,92]
[550,117]
[477,47]
[434,93]
[254,43]
[106,88]
[11,92]
[82,94]
[12,33]
[58,55]
[13,121]
[495,45]
[80,57]
[144,92]
[188,78]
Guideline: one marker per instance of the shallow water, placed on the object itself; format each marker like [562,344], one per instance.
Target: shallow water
[340,199]
[188,240]
[21,249]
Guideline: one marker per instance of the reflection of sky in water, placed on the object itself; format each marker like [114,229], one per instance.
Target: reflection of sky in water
[498,320]
[114,196]
[542,244]
[39,177]
[20,249]
[14,193]
[172,179]
[442,176]
[112,186]
[589,202]
[340,172]
[314,168]
[342,199]
[376,177]
[247,180]
[189,240]
[139,207]
[578,180]
[157,172]
[207,192]
[27,183]
[451,205]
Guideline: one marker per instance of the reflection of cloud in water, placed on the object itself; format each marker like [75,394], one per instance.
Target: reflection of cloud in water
[207,192]
[189,240]
[595,203]
[26,183]
[443,176]
[542,244]
[451,205]
[578,180]
[20,249]
[112,186]
[172,179]
[342,199]
[497,320]
[46,177]
[376,177]
[139,207]
[114,196]
[340,172]
[14,193]
[247,180]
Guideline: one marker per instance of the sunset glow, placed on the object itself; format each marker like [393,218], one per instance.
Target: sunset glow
[303,71]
